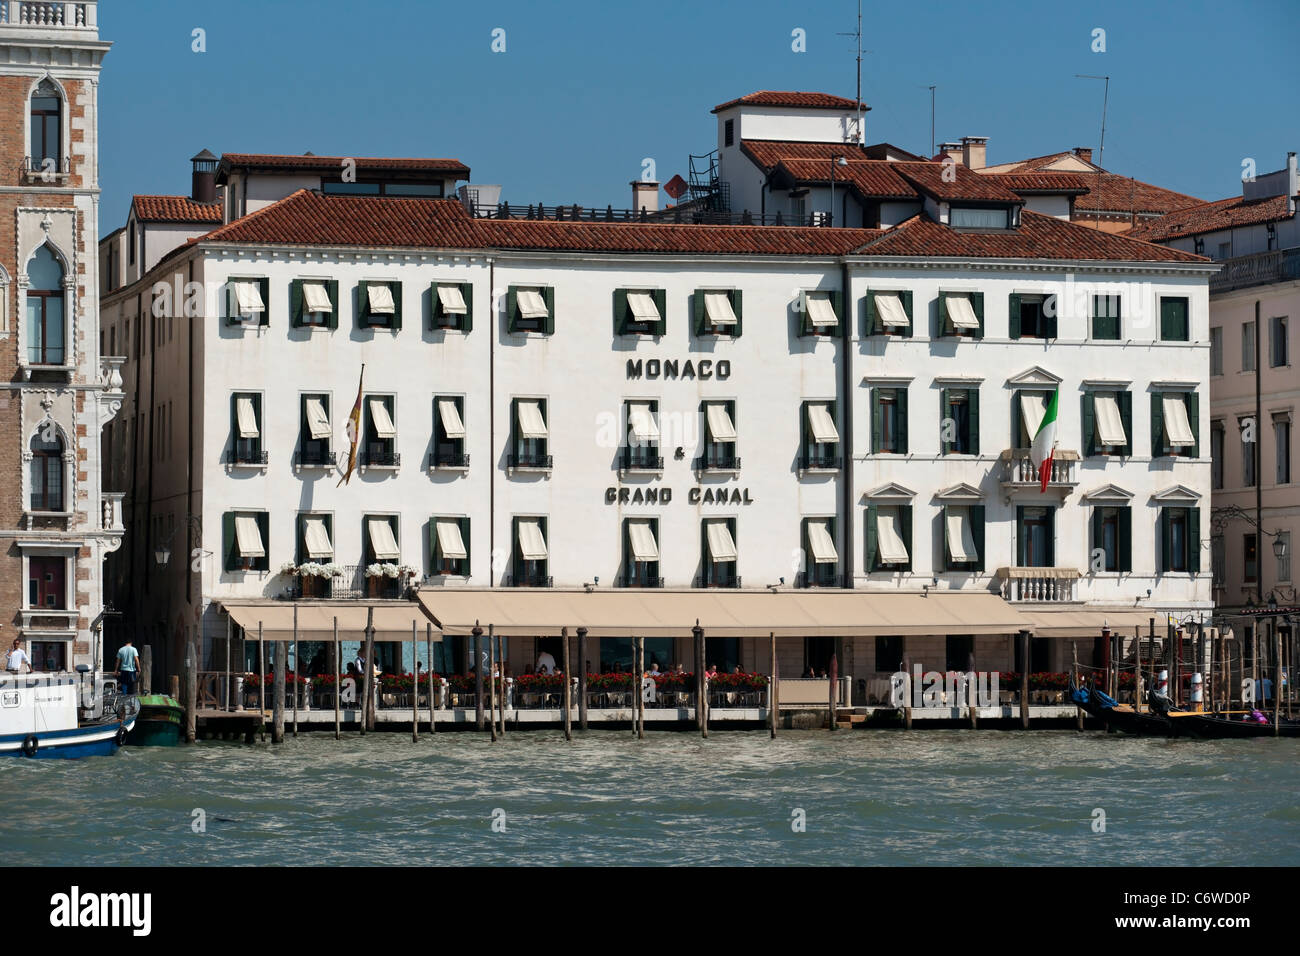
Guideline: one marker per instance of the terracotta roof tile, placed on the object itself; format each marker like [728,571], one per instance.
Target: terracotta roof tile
[1110,192]
[878,179]
[174,209]
[792,98]
[1211,217]
[335,163]
[1039,182]
[933,178]
[766,153]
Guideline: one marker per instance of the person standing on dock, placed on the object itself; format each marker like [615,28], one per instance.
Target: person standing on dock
[18,662]
[127,661]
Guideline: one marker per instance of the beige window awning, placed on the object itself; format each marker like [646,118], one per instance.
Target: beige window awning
[721,427]
[450,543]
[889,537]
[248,294]
[641,422]
[961,541]
[248,537]
[721,546]
[532,543]
[382,543]
[717,305]
[821,543]
[380,420]
[451,300]
[820,311]
[829,612]
[316,620]
[889,306]
[1033,406]
[641,537]
[961,313]
[1178,429]
[531,422]
[1110,425]
[246,417]
[380,298]
[642,305]
[315,297]
[316,539]
[531,304]
[821,424]
[1079,623]
[318,423]
[452,426]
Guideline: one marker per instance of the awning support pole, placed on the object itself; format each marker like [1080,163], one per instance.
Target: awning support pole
[338,681]
[478,675]
[501,666]
[1024,680]
[261,680]
[428,649]
[582,678]
[415,686]
[492,682]
[771,687]
[568,685]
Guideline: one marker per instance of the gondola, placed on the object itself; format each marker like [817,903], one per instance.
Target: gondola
[1122,717]
[1224,726]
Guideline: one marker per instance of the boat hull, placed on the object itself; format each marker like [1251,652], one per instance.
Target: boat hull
[158,724]
[100,740]
[1210,727]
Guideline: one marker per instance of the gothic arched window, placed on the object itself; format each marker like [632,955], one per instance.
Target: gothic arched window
[45,326]
[47,474]
[47,126]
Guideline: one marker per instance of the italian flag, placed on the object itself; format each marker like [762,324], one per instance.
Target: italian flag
[1045,444]
[354,430]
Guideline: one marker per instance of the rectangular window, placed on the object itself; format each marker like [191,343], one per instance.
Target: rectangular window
[959,653]
[530,554]
[641,553]
[963,537]
[247,301]
[531,436]
[246,426]
[889,313]
[640,312]
[449,432]
[453,306]
[1216,351]
[1180,540]
[1175,424]
[1112,536]
[1031,316]
[1218,560]
[245,540]
[1284,559]
[717,311]
[821,559]
[1027,413]
[380,431]
[314,302]
[1250,559]
[642,449]
[1107,421]
[1035,537]
[315,538]
[959,416]
[719,436]
[718,553]
[1216,455]
[1277,342]
[315,433]
[1174,323]
[821,312]
[961,314]
[1105,317]
[1248,346]
[379,305]
[530,309]
[888,537]
[449,547]
[820,436]
[1247,427]
[889,421]
[1225,250]
[968,217]
[47,583]
[889,655]
[729,133]
[1282,447]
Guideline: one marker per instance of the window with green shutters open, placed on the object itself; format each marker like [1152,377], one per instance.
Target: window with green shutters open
[717,312]
[449,432]
[379,305]
[821,556]
[889,421]
[1106,317]
[379,431]
[1112,538]
[889,312]
[315,433]
[449,546]
[1174,320]
[1180,540]
[530,309]
[248,300]
[641,450]
[1106,422]
[963,537]
[819,436]
[961,314]
[718,555]
[530,558]
[640,312]
[719,437]
[641,553]
[820,312]
[959,421]
[530,437]
[314,544]
[1035,537]
[246,429]
[245,540]
[452,306]
[1031,316]
[1175,424]
[314,303]
[887,536]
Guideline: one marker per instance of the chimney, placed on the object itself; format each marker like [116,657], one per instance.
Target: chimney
[203,181]
[973,151]
[1084,153]
[1292,184]
[645,195]
[952,150]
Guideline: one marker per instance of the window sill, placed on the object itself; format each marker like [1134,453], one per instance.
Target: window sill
[262,466]
[729,471]
[45,178]
[462,469]
[27,368]
[529,470]
[313,466]
[636,470]
[818,471]
[362,469]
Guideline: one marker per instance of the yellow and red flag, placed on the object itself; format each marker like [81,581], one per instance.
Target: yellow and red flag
[354,429]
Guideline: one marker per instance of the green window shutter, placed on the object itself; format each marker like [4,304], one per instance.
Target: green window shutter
[511,308]
[1087,424]
[1126,418]
[805,325]
[873,326]
[1164,539]
[620,311]
[548,327]
[397,304]
[1021,543]
[697,312]
[234,420]
[261,422]
[1051,537]
[467,320]
[303,433]
[977,303]
[945,415]
[1194,419]
[433,531]
[300,532]
[464,537]
[905,527]
[737,306]
[228,539]
[333,287]
[877,421]
[1194,540]
[977,532]
[516,560]
[1125,536]
[870,537]
[803,426]
[1096,534]
[295,304]
[265,286]
[264,526]
[944,560]
[900,406]
[704,553]
[1157,426]
[837,303]
[661,302]
[1016,424]
[1049,321]
[973,417]
[911,319]
[363,305]
[945,327]
[1013,316]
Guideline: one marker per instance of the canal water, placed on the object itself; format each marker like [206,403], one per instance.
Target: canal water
[852,797]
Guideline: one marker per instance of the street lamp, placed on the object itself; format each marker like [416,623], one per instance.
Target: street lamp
[835,161]
[1279,545]
[162,554]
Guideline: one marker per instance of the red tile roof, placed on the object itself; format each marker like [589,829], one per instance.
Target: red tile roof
[877,179]
[1211,217]
[766,153]
[792,98]
[933,178]
[335,163]
[1043,182]
[1039,237]
[1110,192]
[174,209]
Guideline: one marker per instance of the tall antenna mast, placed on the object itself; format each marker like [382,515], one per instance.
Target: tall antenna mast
[931,120]
[1105,99]
[862,138]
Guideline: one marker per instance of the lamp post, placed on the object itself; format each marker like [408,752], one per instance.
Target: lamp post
[835,161]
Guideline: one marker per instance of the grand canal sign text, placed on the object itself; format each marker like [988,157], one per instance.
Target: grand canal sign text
[662,496]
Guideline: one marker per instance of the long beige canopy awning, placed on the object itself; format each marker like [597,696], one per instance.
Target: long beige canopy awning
[542,612]
[316,620]
[1046,622]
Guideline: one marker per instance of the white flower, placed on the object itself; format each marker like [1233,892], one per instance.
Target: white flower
[288,568]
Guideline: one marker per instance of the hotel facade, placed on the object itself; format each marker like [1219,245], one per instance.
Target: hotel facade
[663,410]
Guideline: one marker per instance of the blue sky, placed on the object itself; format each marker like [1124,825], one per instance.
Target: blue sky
[586,90]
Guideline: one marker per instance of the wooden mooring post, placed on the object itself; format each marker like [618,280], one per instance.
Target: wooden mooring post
[191,686]
[582,678]
[908,690]
[338,682]
[478,675]
[297,666]
[568,684]
[415,685]
[773,701]
[1078,711]
[1137,669]
[277,700]
[492,684]
[1024,680]
[261,681]
[701,684]
[146,669]
[501,666]
[428,648]
[1277,678]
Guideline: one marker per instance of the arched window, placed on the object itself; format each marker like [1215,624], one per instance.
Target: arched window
[47,126]
[45,309]
[47,474]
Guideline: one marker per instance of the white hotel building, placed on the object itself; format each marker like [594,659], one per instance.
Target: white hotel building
[634,406]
